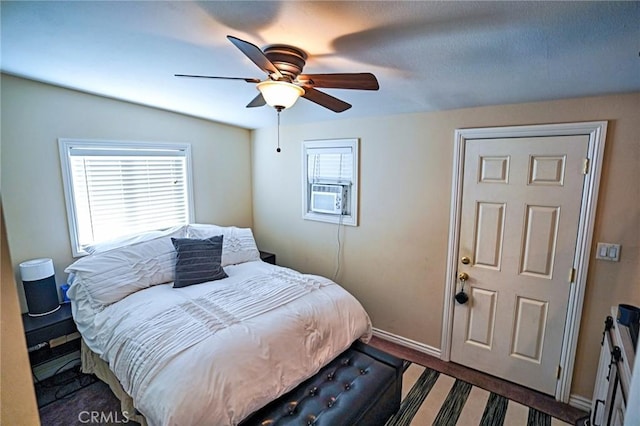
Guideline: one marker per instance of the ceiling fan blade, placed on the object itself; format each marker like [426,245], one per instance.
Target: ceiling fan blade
[358,81]
[327,101]
[248,80]
[254,53]
[258,101]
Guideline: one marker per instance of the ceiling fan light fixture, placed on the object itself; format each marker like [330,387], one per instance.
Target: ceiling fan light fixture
[280,94]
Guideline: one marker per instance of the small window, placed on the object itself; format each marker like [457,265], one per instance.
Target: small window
[114,189]
[330,181]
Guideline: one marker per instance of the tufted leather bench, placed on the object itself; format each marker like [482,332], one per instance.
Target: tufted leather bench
[362,386]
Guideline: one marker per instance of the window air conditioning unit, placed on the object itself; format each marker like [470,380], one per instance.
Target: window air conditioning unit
[328,199]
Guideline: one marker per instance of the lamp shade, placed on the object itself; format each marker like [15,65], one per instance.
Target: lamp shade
[38,278]
[280,94]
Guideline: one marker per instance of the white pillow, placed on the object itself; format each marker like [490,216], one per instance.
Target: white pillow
[110,276]
[238,244]
[179,231]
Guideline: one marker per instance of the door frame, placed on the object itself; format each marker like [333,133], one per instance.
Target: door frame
[596,130]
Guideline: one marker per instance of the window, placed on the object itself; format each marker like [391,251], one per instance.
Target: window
[330,181]
[114,189]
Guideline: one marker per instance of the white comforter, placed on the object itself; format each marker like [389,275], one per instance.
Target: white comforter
[213,353]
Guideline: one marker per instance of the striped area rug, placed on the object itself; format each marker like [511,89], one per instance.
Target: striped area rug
[432,398]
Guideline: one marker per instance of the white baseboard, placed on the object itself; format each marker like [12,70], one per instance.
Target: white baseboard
[580,402]
[58,365]
[403,341]
[576,401]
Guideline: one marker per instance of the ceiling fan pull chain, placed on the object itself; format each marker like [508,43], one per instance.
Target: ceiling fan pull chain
[278,148]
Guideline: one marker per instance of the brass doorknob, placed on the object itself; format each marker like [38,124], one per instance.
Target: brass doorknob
[465,260]
[463,276]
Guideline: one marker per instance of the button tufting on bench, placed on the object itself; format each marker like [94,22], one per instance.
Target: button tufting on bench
[332,401]
[360,387]
[290,407]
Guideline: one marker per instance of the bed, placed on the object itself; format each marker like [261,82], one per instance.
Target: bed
[196,329]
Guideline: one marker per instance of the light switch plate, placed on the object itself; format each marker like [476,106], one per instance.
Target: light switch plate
[608,251]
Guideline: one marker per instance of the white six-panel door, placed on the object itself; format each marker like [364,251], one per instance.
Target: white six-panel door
[520,212]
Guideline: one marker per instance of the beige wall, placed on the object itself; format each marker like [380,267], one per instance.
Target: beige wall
[395,261]
[35,115]
[17,397]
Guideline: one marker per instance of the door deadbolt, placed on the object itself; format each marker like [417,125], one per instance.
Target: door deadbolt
[465,260]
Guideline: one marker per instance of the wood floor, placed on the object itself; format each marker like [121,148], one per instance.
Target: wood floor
[507,389]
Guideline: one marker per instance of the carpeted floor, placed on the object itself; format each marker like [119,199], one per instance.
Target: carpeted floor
[428,398]
[72,398]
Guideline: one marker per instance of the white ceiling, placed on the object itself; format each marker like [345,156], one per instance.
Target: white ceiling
[426,55]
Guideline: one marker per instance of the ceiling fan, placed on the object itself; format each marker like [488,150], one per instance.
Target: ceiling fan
[285,83]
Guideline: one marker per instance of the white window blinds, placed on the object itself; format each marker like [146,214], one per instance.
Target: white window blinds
[118,191]
[330,165]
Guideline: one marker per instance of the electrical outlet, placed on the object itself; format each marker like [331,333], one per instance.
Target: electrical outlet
[607,251]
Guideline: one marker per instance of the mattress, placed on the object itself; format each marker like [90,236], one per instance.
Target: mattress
[215,352]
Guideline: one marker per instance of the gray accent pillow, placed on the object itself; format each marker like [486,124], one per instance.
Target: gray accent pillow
[198,261]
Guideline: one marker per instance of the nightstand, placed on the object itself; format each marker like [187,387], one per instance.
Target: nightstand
[268,257]
[55,335]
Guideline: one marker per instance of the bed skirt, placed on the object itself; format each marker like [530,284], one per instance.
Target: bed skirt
[372,402]
[93,364]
